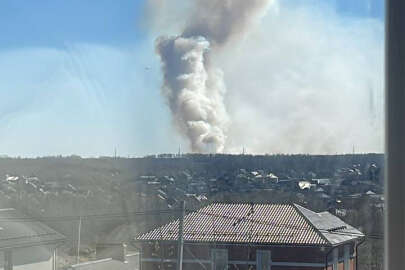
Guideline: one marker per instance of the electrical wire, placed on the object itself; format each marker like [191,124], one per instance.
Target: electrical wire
[173,211]
[93,216]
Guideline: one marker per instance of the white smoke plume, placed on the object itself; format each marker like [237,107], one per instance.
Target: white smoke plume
[194,89]
[194,93]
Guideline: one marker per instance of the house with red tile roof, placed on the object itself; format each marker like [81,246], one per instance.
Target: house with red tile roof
[253,236]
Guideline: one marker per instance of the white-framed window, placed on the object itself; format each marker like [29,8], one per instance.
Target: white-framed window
[219,259]
[263,260]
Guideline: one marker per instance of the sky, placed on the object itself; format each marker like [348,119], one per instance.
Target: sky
[81,77]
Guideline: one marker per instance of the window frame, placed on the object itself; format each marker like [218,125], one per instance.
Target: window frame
[259,253]
[394,239]
[214,252]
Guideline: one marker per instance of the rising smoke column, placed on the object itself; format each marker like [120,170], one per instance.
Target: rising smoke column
[194,89]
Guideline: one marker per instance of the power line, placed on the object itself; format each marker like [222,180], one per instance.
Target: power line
[173,211]
[93,216]
[27,236]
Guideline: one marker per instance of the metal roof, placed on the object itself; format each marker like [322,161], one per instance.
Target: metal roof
[331,227]
[18,230]
[282,224]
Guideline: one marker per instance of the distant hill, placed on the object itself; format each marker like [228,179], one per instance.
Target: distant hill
[84,170]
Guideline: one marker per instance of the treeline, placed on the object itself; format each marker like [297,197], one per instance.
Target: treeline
[82,169]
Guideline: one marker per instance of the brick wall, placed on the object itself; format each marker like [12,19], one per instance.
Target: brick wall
[288,258]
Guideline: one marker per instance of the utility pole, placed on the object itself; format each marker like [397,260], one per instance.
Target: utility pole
[54,259]
[180,236]
[78,240]
[8,259]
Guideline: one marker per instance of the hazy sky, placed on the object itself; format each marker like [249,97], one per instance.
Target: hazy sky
[81,77]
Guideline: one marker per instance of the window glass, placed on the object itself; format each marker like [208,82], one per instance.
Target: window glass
[220,259]
[206,134]
[263,260]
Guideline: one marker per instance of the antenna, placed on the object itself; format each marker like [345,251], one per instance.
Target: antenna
[115,153]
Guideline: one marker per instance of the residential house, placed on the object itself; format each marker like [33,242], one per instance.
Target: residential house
[253,236]
[26,244]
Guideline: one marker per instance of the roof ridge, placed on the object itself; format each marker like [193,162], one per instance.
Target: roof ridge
[300,206]
[170,229]
[255,203]
[7,209]
[296,207]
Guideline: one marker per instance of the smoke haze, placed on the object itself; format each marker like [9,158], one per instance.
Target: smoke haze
[194,89]
[308,80]
[303,79]
[220,20]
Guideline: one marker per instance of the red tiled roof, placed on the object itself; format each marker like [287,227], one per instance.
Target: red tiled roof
[283,224]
